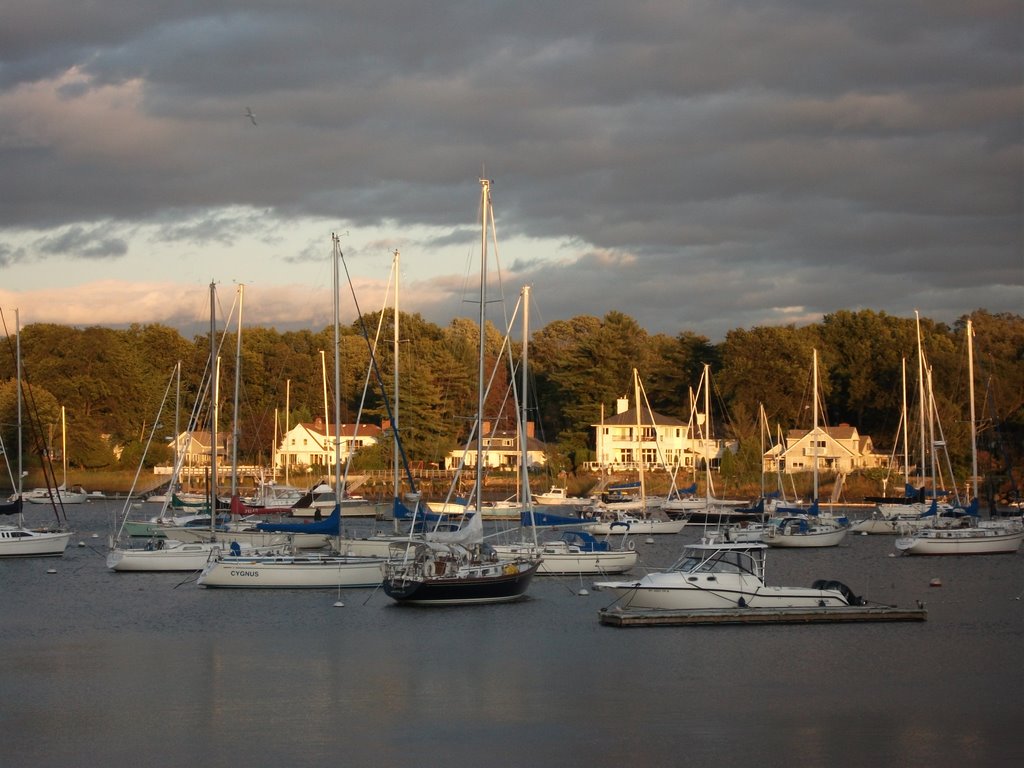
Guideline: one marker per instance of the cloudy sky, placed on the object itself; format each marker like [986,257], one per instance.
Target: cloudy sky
[699,165]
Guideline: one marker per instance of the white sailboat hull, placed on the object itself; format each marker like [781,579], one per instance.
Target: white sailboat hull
[963,541]
[251,538]
[16,541]
[892,526]
[830,538]
[558,560]
[637,526]
[172,556]
[292,572]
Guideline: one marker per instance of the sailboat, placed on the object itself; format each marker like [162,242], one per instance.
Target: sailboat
[964,534]
[74,495]
[303,570]
[15,539]
[641,517]
[571,551]
[807,528]
[458,568]
[755,518]
[898,515]
[168,551]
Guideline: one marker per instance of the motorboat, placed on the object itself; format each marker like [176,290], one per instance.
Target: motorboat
[719,575]
[557,496]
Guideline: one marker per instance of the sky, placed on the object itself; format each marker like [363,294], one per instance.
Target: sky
[699,166]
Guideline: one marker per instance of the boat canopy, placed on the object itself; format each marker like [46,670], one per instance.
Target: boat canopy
[631,486]
[330,525]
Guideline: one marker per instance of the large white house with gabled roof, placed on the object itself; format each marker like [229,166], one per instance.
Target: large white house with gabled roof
[624,440]
[839,449]
[309,446]
[501,450]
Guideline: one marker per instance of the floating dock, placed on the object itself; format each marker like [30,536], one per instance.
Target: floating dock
[620,617]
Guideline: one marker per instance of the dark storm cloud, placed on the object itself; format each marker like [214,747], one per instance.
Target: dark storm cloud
[719,163]
[82,242]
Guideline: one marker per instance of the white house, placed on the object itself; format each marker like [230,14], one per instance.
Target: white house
[837,449]
[622,441]
[309,446]
[501,449]
[194,450]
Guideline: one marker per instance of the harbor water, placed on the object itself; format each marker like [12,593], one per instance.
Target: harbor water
[129,669]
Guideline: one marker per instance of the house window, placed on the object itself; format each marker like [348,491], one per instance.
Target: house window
[650,433]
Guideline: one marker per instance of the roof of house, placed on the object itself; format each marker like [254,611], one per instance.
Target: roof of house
[647,418]
[842,432]
[532,443]
[347,430]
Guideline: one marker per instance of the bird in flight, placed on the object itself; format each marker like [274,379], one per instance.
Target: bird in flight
[250,115]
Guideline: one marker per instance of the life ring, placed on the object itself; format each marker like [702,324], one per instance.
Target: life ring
[631,545]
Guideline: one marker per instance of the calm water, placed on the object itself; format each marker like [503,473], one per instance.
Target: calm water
[143,669]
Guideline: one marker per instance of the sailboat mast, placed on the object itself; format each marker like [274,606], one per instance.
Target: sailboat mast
[287,424]
[814,430]
[485,202]
[64,448]
[906,431]
[394,412]
[639,440]
[974,423]
[524,466]
[707,434]
[238,380]
[931,436]
[17,354]
[323,376]
[920,395]
[337,377]
[214,394]
[177,426]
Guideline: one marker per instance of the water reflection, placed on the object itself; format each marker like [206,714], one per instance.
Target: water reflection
[129,669]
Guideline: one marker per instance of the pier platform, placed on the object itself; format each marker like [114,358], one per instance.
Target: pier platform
[618,617]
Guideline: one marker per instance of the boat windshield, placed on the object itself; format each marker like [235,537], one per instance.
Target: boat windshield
[718,561]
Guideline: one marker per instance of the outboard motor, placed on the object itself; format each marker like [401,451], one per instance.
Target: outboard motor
[838,586]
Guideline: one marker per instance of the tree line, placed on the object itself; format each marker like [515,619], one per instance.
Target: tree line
[112,382]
